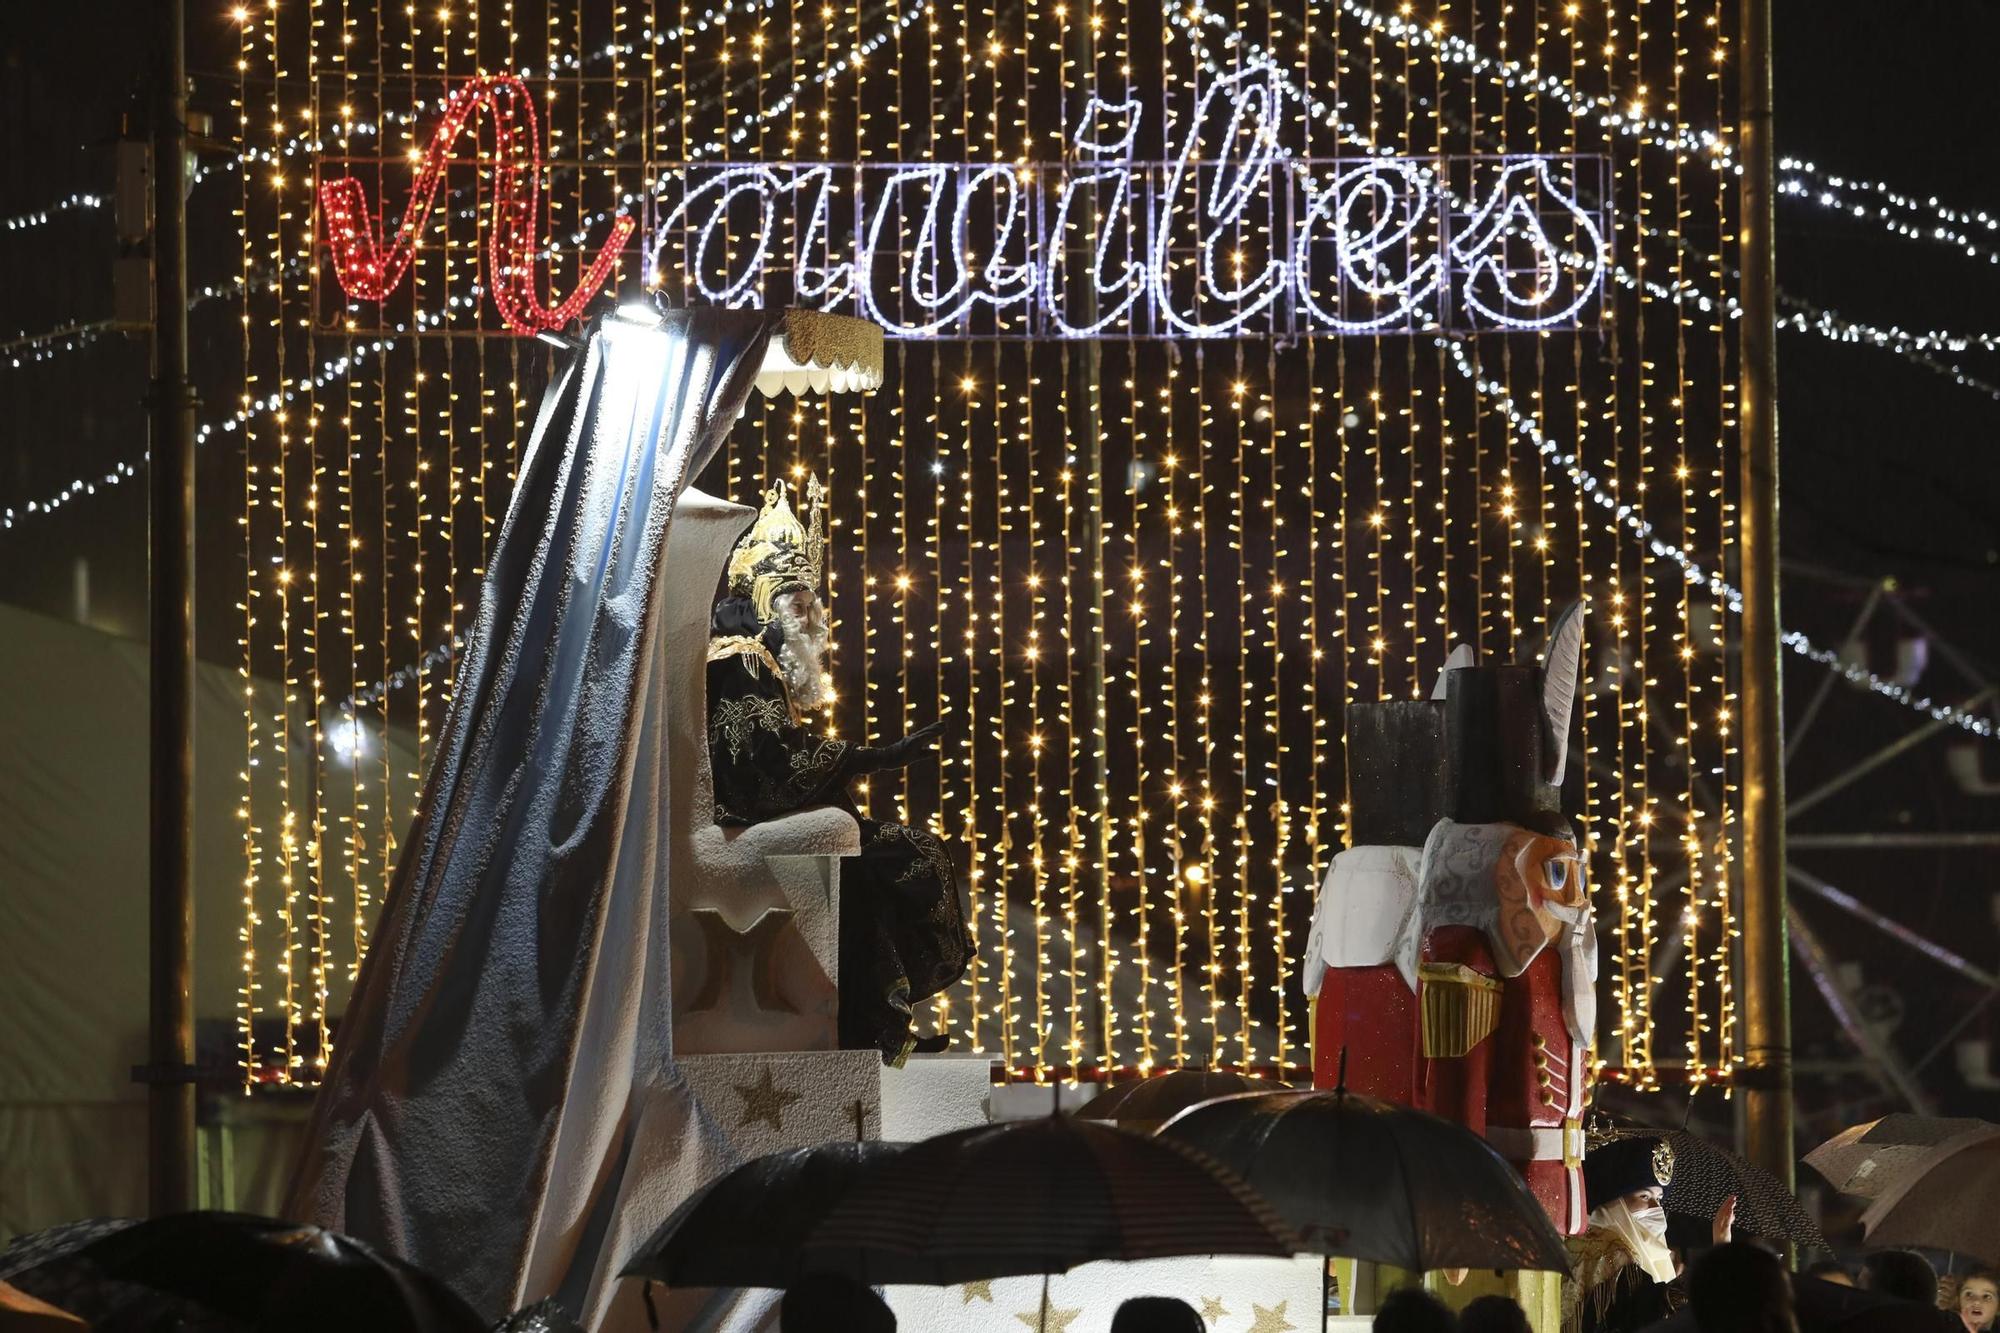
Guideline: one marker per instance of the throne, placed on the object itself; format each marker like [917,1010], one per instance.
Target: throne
[753,923]
[754,912]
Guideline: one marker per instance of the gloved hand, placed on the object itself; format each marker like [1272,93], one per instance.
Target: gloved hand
[898,753]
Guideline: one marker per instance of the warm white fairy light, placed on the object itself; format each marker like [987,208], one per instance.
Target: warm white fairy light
[983,95]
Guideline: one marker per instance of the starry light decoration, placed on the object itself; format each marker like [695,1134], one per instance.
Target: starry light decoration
[1139,578]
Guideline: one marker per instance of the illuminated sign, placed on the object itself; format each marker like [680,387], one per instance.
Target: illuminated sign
[1231,236]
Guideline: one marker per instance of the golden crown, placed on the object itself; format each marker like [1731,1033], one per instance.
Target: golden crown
[779,551]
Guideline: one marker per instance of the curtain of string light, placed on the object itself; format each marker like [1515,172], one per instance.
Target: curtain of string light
[1140,579]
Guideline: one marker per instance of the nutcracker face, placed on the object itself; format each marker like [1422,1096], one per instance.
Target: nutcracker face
[1524,891]
[1538,884]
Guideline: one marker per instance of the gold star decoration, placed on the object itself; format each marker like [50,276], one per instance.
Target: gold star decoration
[1270,1321]
[765,1101]
[1058,1320]
[1212,1312]
[983,1289]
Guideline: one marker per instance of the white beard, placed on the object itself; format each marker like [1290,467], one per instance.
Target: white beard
[802,662]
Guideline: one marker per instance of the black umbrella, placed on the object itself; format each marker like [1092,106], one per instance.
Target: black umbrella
[1705,1175]
[749,1228]
[1361,1178]
[1036,1196]
[1163,1096]
[231,1271]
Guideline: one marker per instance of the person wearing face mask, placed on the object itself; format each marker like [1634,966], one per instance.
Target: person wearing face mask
[1626,1278]
[902,931]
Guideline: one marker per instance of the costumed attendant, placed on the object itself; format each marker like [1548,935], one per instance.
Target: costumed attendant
[902,933]
[1626,1277]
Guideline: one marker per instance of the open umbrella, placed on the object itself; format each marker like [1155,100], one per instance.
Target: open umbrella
[1869,1159]
[1362,1178]
[749,1228]
[1705,1175]
[1945,1203]
[1037,1196]
[232,1271]
[1158,1099]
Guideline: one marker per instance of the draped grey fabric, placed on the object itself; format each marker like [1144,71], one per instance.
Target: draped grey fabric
[513,1008]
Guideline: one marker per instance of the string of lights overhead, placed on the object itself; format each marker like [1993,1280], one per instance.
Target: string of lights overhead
[1139,575]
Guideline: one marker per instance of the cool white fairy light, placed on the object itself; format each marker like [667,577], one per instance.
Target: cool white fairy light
[1359,248]
[1506,212]
[48,213]
[722,232]
[1101,160]
[1628,516]
[1237,182]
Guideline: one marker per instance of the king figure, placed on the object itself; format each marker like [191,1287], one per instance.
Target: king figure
[902,933]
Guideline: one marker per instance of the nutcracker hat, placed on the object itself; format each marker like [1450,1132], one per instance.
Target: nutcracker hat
[780,553]
[1624,1166]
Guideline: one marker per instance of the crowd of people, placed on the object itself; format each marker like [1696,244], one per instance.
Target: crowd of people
[1735,1287]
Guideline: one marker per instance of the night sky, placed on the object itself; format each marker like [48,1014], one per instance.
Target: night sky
[1889,470]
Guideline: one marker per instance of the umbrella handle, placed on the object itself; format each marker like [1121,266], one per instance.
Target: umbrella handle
[1042,1321]
[1340,1080]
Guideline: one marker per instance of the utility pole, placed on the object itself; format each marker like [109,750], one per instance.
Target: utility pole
[1766,1079]
[169,1073]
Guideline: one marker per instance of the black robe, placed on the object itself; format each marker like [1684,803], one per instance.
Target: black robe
[902,933]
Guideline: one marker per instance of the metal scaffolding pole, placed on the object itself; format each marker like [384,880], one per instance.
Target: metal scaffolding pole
[1853,906]
[1766,1078]
[1900,746]
[1883,1062]
[1804,724]
[169,1073]
[1906,841]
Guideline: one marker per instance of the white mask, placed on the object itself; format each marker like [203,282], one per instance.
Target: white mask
[1644,1232]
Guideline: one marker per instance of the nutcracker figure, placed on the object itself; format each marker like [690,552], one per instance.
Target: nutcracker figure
[1452,956]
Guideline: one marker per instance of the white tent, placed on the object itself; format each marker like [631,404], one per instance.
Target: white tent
[73,921]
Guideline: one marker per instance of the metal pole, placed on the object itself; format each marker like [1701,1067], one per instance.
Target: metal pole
[169,1075]
[1930,842]
[1900,746]
[1853,906]
[1883,1062]
[1825,686]
[1766,1078]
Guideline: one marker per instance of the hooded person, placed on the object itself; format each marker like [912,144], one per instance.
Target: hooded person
[902,932]
[1625,1275]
